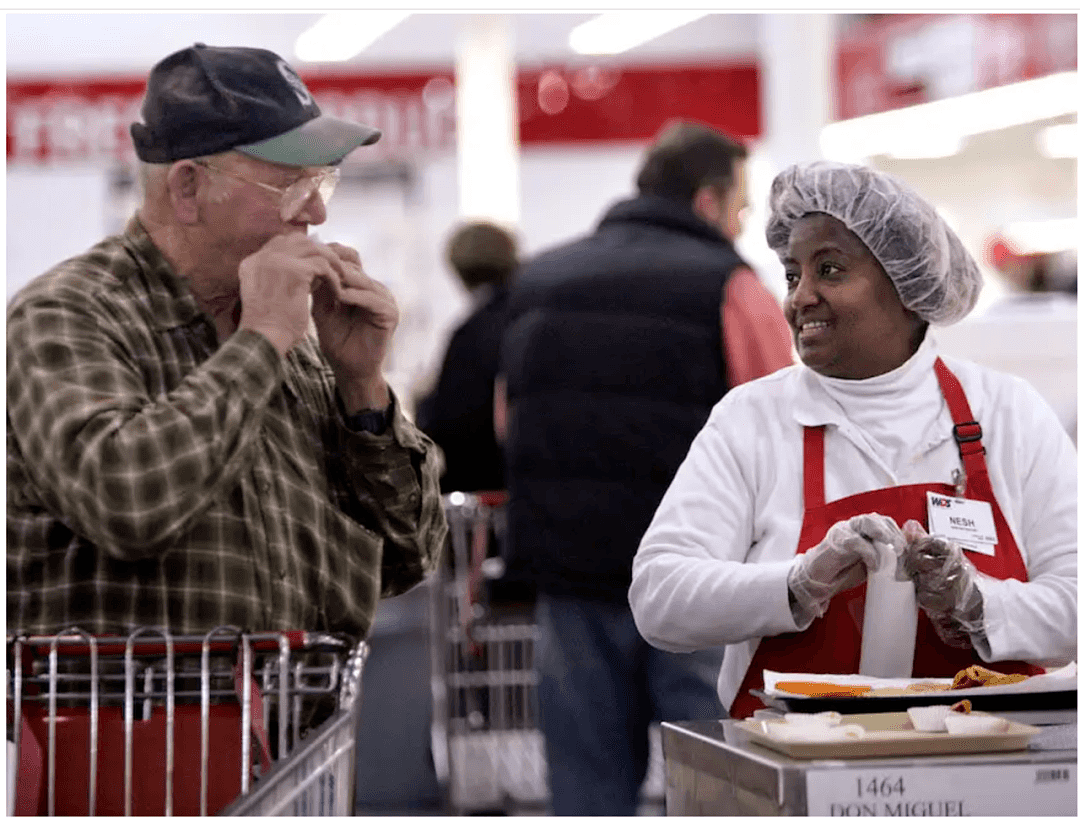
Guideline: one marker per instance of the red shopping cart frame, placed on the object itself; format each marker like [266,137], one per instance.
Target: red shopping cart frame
[194,787]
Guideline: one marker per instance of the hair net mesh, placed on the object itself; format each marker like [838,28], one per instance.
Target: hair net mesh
[934,274]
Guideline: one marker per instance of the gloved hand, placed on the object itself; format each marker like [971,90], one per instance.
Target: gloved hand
[839,562]
[944,585]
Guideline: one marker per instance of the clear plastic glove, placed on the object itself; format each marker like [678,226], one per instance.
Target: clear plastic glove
[944,585]
[839,562]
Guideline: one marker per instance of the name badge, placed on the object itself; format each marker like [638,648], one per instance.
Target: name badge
[968,522]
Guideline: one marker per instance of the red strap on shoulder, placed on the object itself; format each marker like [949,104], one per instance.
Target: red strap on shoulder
[966,430]
[813,467]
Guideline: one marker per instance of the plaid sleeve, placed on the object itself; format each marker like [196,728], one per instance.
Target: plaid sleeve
[396,482]
[123,466]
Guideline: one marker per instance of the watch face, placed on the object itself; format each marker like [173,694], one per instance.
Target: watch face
[374,421]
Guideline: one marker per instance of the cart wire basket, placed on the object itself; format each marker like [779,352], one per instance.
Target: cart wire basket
[487,746]
[227,722]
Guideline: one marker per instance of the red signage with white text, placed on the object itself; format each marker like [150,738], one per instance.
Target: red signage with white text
[895,60]
[56,120]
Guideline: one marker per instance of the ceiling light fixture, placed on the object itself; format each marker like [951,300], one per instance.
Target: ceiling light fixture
[929,145]
[1046,236]
[341,35]
[1059,141]
[956,117]
[620,31]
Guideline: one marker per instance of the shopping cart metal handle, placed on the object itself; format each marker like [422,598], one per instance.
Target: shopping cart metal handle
[76,646]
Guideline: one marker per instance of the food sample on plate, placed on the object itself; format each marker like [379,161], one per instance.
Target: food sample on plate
[823,727]
[969,724]
[975,676]
[932,717]
[813,688]
[918,687]
[817,718]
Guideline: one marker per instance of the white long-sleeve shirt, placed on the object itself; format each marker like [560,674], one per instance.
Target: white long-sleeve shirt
[712,567]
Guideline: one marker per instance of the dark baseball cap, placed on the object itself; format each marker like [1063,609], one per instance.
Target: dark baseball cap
[208,99]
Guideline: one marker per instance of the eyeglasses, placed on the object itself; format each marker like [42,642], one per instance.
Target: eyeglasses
[296,195]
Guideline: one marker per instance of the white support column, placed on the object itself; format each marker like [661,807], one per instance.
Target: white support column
[796,59]
[487,124]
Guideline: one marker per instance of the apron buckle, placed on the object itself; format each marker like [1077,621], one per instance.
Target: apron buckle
[966,436]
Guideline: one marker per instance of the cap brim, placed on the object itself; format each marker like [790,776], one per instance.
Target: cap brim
[321,141]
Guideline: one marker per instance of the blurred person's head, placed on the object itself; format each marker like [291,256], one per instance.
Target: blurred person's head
[482,253]
[869,264]
[234,151]
[697,165]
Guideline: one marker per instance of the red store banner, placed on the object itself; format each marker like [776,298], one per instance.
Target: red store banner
[895,60]
[86,119]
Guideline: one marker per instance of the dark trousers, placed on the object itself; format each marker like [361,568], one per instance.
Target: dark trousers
[600,687]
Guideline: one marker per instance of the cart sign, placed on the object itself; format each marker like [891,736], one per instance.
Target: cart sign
[895,60]
[63,119]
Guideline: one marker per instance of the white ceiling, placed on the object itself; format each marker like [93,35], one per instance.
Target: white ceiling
[131,42]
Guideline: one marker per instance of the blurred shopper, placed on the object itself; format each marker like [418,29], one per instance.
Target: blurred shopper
[1035,273]
[1029,329]
[182,451]
[458,412]
[800,480]
[618,346]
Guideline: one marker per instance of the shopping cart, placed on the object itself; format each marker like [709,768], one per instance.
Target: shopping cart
[156,724]
[486,742]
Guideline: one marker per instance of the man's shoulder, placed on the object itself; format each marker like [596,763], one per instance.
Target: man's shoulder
[631,247]
[83,278]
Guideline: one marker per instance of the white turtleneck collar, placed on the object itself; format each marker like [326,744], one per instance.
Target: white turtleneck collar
[896,414]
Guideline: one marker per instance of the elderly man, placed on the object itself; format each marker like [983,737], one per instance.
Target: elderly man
[182,451]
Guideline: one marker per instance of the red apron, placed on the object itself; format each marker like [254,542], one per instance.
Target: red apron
[832,644]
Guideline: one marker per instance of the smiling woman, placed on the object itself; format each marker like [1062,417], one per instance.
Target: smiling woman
[846,316]
[801,482]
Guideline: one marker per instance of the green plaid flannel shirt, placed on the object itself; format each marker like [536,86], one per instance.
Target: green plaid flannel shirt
[158,478]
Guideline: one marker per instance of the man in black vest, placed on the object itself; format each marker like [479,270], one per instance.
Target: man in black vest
[617,347]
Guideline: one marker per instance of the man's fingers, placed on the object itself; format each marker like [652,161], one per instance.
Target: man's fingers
[325,276]
[382,310]
[346,262]
[345,252]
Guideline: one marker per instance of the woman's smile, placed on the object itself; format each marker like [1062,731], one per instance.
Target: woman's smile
[842,307]
[813,330]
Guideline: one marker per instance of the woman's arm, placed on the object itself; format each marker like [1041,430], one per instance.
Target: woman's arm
[692,583]
[1036,620]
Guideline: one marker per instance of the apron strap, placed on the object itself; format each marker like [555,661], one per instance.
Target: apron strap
[813,467]
[966,431]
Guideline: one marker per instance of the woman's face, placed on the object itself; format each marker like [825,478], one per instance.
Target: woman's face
[843,309]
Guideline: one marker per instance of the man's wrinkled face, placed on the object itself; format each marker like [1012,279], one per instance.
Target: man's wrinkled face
[247,201]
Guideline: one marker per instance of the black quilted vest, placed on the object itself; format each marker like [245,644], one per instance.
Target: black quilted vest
[613,358]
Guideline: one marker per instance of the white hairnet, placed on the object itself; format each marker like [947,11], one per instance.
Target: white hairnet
[934,274]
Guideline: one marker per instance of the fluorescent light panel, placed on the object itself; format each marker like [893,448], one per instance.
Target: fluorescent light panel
[1059,141]
[341,35]
[951,119]
[620,31]
[930,145]
[1048,236]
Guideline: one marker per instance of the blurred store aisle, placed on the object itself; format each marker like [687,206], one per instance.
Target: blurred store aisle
[395,772]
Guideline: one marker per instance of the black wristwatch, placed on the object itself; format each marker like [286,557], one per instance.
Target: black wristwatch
[373,421]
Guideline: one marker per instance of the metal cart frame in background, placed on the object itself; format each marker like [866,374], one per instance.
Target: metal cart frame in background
[153,723]
[487,745]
